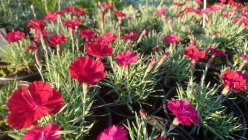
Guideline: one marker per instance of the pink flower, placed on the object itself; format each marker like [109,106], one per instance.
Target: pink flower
[216,52]
[194,54]
[51,16]
[113,133]
[171,38]
[234,80]
[57,39]
[125,58]
[129,36]
[160,12]
[100,48]
[48,132]
[88,34]
[27,105]
[244,56]
[87,70]
[72,23]
[185,113]
[109,37]
[15,36]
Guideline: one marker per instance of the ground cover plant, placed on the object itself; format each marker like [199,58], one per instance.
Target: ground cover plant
[119,70]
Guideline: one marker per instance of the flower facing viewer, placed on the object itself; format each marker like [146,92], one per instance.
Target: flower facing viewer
[113,133]
[28,104]
[88,34]
[194,54]
[47,132]
[125,58]
[185,113]
[15,36]
[87,70]
[57,39]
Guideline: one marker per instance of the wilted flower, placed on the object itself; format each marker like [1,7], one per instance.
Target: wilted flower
[125,58]
[15,36]
[160,12]
[216,52]
[28,104]
[234,80]
[48,132]
[100,48]
[88,34]
[185,113]
[57,39]
[72,23]
[51,16]
[87,70]
[113,133]
[172,38]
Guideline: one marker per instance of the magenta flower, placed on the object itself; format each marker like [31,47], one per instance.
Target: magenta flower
[37,24]
[57,39]
[194,54]
[47,132]
[172,38]
[109,37]
[125,58]
[88,34]
[160,12]
[185,113]
[244,56]
[72,23]
[120,14]
[129,37]
[113,133]
[216,52]
[15,36]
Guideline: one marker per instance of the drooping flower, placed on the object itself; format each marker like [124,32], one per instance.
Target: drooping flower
[113,133]
[57,39]
[125,58]
[216,52]
[72,23]
[27,105]
[100,48]
[129,37]
[88,34]
[48,132]
[15,36]
[87,70]
[51,16]
[172,38]
[194,54]
[185,113]
[109,37]
[160,12]
[234,80]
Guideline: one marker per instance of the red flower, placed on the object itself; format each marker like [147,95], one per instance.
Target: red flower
[161,11]
[88,34]
[106,5]
[57,39]
[178,4]
[37,24]
[100,48]
[72,23]
[51,16]
[216,52]
[119,14]
[129,36]
[28,104]
[79,11]
[125,58]
[87,70]
[68,9]
[109,37]
[194,54]
[185,113]
[15,36]
[162,139]
[234,80]
[113,133]
[171,38]
[48,132]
